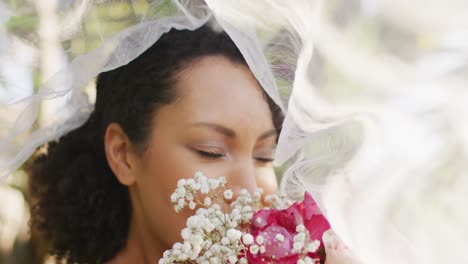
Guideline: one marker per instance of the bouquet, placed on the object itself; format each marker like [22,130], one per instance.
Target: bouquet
[250,229]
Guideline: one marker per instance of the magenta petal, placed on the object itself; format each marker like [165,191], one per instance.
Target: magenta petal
[270,223]
[317,226]
[310,207]
[260,219]
[290,218]
[274,247]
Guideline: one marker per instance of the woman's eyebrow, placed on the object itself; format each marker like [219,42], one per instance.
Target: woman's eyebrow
[229,132]
[267,134]
[219,128]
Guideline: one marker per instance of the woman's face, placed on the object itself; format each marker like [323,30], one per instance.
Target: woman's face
[220,125]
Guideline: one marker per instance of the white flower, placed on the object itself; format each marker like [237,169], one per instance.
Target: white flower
[243,261]
[254,249]
[300,237]
[207,201]
[198,175]
[300,228]
[177,246]
[234,234]
[232,259]
[313,246]
[186,247]
[244,192]
[279,237]
[262,249]
[193,221]
[181,203]
[222,181]
[181,192]
[225,241]
[213,183]
[260,240]
[247,209]
[297,246]
[248,239]
[196,186]
[192,205]
[204,187]
[235,214]
[174,197]
[309,260]
[181,183]
[215,249]
[189,196]
[215,260]
[190,182]
[228,194]
[186,233]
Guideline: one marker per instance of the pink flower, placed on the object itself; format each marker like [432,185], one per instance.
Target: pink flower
[337,252]
[278,228]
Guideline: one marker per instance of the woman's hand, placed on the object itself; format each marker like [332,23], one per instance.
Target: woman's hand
[337,252]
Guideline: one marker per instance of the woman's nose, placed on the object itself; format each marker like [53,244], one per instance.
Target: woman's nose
[242,176]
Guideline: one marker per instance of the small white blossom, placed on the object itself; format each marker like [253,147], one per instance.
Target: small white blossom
[213,184]
[244,192]
[181,183]
[228,194]
[196,186]
[215,260]
[192,205]
[247,239]
[222,181]
[225,241]
[299,237]
[262,249]
[233,234]
[207,201]
[279,237]
[181,192]
[297,246]
[186,233]
[313,246]
[300,228]
[204,187]
[243,261]
[174,197]
[181,203]
[254,249]
[260,240]
[232,259]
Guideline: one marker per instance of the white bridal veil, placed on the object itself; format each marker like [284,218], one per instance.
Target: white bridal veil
[374,93]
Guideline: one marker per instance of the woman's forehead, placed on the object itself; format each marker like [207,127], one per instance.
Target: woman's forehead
[215,80]
[218,91]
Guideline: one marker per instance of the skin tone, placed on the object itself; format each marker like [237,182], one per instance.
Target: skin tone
[220,124]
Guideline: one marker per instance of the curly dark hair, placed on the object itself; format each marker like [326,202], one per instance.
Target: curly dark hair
[77,203]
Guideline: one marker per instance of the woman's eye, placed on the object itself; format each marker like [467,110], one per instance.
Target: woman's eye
[264,160]
[209,154]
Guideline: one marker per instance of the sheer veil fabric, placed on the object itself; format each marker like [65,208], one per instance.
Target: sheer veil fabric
[374,93]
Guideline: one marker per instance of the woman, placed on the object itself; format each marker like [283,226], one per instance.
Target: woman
[189,103]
